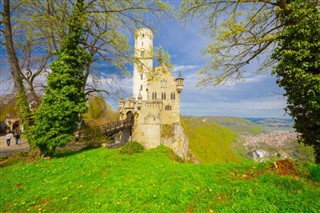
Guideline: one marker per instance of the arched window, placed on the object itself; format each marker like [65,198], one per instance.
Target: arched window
[142,53]
[168,108]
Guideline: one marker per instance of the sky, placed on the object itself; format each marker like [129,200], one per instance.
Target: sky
[255,96]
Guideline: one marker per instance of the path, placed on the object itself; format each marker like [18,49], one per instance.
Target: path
[7,150]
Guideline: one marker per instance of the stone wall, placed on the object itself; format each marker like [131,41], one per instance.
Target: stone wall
[147,134]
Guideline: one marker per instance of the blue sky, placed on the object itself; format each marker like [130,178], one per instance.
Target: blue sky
[256,95]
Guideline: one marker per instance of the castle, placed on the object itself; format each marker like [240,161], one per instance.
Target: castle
[156,96]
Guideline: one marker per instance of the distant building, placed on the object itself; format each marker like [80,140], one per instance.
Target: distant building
[156,94]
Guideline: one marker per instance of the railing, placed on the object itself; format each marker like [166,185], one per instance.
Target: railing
[115,127]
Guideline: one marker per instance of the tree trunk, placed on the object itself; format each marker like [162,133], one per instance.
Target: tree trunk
[20,92]
[13,59]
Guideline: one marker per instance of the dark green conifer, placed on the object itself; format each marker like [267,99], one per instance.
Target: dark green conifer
[64,98]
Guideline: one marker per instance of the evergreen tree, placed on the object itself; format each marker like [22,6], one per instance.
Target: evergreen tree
[298,69]
[64,99]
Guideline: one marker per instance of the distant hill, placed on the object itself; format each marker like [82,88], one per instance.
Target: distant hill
[238,125]
[270,124]
[209,141]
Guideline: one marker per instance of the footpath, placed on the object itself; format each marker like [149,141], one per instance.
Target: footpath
[7,150]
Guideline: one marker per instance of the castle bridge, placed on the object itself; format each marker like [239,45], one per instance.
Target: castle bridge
[109,130]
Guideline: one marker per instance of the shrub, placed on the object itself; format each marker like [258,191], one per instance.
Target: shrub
[93,137]
[132,147]
[315,173]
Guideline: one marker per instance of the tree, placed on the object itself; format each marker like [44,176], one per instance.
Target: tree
[240,31]
[20,92]
[64,99]
[298,70]
[41,25]
[245,30]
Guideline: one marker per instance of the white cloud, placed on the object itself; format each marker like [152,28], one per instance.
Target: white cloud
[177,68]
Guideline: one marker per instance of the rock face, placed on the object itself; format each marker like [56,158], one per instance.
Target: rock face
[178,141]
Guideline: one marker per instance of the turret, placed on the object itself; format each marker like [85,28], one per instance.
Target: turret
[179,81]
[143,61]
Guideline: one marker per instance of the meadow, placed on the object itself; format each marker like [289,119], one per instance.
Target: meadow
[102,180]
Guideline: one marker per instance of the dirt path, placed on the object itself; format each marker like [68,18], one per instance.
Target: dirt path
[7,150]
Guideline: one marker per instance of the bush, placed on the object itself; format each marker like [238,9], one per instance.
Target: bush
[315,173]
[93,137]
[132,147]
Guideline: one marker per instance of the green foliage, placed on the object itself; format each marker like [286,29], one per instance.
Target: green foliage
[167,131]
[8,108]
[209,141]
[239,31]
[93,136]
[298,69]
[25,114]
[100,180]
[99,112]
[314,172]
[64,98]
[132,147]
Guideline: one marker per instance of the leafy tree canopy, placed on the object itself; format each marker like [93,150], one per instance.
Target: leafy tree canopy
[240,31]
[298,69]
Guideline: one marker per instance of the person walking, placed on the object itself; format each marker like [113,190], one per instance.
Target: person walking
[16,135]
[8,137]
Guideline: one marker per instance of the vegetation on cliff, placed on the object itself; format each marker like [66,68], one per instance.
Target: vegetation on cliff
[209,141]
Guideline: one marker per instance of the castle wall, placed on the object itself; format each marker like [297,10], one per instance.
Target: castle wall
[147,134]
[164,86]
[147,125]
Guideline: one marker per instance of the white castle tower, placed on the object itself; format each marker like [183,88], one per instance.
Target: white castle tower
[155,101]
[143,62]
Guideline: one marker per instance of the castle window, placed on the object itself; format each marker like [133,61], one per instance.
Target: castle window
[163,96]
[141,43]
[154,95]
[141,87]
[163,83]
[141,76]
[142,53]
[168,108]
[173,96]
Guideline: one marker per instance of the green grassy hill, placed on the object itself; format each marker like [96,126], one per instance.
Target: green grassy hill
[209,141]
[238,125]
[102,180]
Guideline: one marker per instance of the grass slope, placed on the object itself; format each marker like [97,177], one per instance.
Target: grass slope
[101,180]
[209,141]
